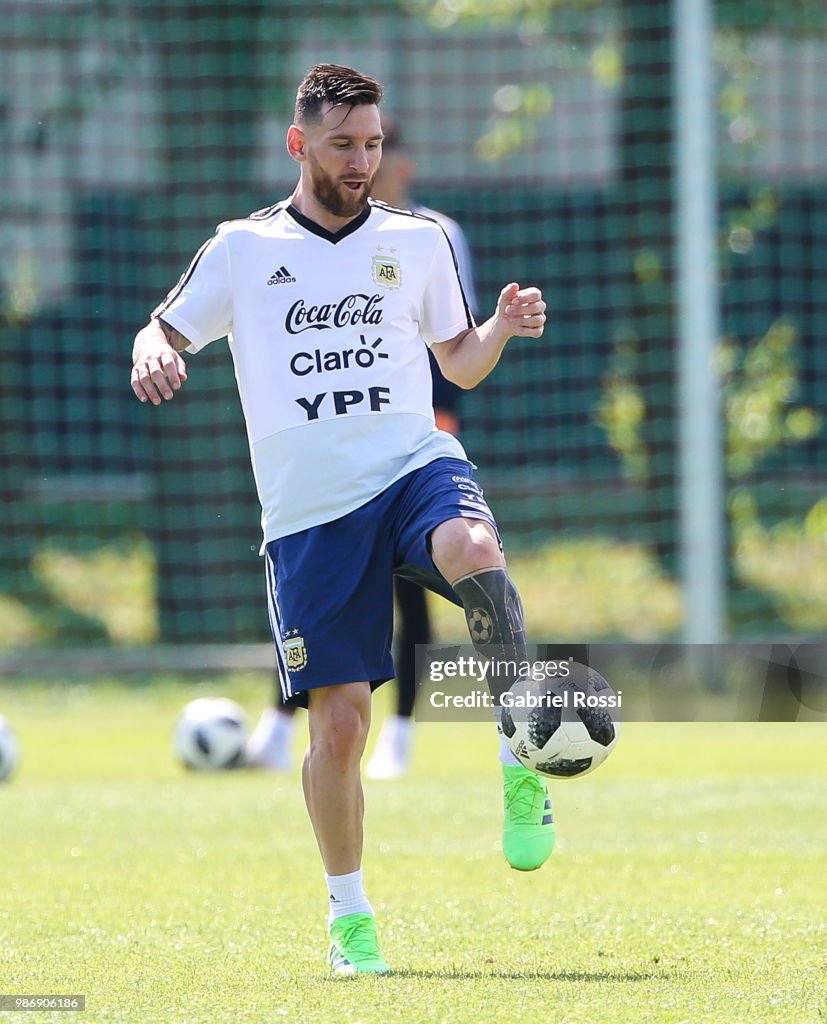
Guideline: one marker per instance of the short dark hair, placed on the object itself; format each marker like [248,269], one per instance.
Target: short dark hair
[334,84]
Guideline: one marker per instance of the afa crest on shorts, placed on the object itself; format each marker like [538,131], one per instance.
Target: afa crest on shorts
[387,271]
[295,653]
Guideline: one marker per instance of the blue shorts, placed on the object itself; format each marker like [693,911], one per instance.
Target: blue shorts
[330,588]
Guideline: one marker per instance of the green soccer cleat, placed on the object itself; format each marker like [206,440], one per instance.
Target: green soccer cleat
[354,948]
[528,829]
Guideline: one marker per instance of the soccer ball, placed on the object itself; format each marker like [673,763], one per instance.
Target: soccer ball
[210,734]
[563,727]
[8,749]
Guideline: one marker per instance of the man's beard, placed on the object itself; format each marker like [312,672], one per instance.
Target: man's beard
[328,193]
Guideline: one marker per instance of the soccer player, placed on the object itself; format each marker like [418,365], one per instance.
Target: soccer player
[269,745]
[330,301]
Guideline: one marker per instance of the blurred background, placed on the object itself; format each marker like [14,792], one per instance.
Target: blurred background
[657,463]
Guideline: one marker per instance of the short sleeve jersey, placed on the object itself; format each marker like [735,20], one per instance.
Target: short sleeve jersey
[329,335]
[447,395]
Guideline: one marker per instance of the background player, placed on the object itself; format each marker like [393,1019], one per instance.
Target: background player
[269,746]
[354,479]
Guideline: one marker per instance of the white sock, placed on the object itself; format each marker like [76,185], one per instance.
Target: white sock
[274,726]
[403,724]
[506,753]
[282,724]
[507,756]
[347,895]
[400,731]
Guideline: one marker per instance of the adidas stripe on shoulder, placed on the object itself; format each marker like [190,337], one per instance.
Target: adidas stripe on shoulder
[258,215]
[267,211]
[382,205]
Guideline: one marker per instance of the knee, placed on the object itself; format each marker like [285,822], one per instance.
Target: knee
[480,550]
[464,546]
[339,725]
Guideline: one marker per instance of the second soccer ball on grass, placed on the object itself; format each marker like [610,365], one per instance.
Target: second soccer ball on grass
[210,734]
[9,749]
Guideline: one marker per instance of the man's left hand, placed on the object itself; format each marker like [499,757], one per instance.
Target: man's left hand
[522,311]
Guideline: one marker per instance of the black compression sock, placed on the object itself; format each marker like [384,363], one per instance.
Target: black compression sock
[494,615]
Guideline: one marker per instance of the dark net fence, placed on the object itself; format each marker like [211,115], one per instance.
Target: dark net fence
[547,130]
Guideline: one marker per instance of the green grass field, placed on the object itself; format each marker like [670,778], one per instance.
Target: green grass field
[689,883]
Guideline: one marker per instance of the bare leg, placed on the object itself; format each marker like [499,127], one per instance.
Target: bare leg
[339,718]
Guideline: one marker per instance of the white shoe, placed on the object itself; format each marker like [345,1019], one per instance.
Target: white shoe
[269,745]
[392,752]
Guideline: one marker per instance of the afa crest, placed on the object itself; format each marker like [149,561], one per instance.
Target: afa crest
[295,653]
[387,271]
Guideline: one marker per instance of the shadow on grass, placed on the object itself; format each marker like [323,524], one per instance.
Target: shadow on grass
[452,974]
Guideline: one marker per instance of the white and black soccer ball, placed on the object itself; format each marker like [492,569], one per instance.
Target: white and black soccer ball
[562,727]
[210,734]
[9,750]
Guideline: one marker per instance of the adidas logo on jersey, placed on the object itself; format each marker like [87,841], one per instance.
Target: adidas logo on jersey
[282,276]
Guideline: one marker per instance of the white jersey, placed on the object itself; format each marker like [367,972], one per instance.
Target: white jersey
[462,252]
[328,334]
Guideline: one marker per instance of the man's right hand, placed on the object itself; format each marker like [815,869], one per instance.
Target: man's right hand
[158,370]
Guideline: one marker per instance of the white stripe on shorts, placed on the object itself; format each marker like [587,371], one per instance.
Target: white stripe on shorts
[275,626]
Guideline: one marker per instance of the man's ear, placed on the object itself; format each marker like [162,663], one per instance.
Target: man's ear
[295,143]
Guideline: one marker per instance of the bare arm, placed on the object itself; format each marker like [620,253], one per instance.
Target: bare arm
[472,355]
[158,370]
